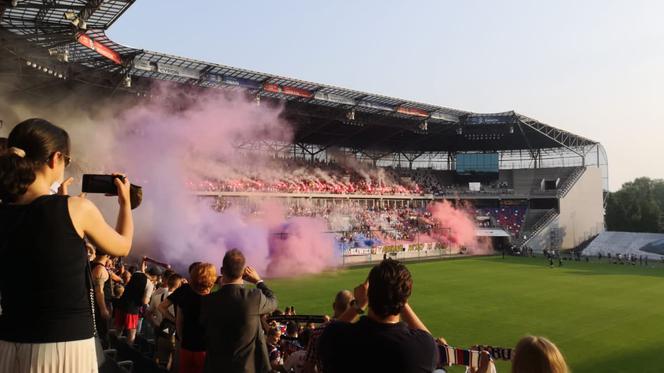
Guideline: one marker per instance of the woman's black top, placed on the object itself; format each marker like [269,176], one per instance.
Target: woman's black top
[43,265]
[193,332]
[108,291]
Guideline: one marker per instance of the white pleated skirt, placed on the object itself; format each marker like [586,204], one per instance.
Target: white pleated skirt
[60,357]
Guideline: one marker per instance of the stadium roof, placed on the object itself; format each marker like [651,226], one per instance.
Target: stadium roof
[67,39]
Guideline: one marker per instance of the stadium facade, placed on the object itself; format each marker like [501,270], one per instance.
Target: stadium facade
[560,178]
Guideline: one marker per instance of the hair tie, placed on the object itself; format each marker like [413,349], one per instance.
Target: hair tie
[17,151]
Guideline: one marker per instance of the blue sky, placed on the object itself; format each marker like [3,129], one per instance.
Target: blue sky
[595,68]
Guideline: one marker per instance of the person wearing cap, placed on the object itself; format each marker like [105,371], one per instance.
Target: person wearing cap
[136,295]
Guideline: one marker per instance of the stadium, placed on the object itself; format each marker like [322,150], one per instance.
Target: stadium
[373,167]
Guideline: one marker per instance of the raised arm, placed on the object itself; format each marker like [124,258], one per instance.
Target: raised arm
[268,301]
[361,301]
[410,317]
[114,277]
[89,222]
[147,293]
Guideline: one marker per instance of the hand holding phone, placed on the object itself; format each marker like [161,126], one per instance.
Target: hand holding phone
[101,184]
[114,185]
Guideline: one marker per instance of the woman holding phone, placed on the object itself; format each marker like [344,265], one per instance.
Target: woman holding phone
[47,323]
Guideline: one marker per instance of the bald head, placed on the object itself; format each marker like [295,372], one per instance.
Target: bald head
[342,302]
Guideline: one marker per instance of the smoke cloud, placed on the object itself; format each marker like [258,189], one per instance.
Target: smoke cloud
[457,228]
[170,140]
[178,138]
[175,139]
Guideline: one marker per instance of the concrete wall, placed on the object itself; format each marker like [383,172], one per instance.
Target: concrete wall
[399,255]
[582,209]
[542,240]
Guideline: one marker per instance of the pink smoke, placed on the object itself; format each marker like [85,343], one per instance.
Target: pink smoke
[296,248]
[457,228]
[180,136]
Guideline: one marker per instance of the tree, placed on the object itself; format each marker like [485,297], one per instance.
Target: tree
[637,207]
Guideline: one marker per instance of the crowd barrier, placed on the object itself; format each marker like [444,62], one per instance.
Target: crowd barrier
[405,252]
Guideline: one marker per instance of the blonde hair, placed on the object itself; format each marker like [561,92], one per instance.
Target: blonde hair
[538,355]
[203,277]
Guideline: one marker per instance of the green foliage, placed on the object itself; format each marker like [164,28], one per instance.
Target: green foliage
[604,317]
[637,207]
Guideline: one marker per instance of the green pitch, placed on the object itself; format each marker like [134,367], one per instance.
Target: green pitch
[604,317]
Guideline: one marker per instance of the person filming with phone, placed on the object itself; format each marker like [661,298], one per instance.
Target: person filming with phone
[391,338]
[231,316]
[43,329]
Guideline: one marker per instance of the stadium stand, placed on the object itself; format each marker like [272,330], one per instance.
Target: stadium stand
[413,150]
[509,218]
[627,243]
[417,152]
[533,219]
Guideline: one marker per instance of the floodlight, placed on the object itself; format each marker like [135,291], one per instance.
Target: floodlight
[350,115]
[70,15]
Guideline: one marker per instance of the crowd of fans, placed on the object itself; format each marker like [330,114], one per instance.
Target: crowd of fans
[313,177]
[298,176]
[80,294]
[353,223]
[209,323]
[356,224]
[510,218]
[387,223]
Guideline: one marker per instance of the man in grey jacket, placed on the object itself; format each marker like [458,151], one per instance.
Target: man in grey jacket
[234,338]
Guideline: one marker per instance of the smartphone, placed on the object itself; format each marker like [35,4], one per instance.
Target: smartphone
[100,184]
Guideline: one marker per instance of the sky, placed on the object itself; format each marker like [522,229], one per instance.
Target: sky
[595,68]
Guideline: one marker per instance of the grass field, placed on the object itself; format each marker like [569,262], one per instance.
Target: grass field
[604,317]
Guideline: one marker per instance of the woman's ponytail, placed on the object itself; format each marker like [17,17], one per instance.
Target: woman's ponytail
[16,175]
[28,147]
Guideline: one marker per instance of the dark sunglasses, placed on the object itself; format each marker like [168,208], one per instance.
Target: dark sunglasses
[65,156]
[67,160]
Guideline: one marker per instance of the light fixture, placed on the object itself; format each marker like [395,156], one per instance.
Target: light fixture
[28,63]
[76,20]
[459,131]
[80,24]
[350,115]
[127,81]
[511,129]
